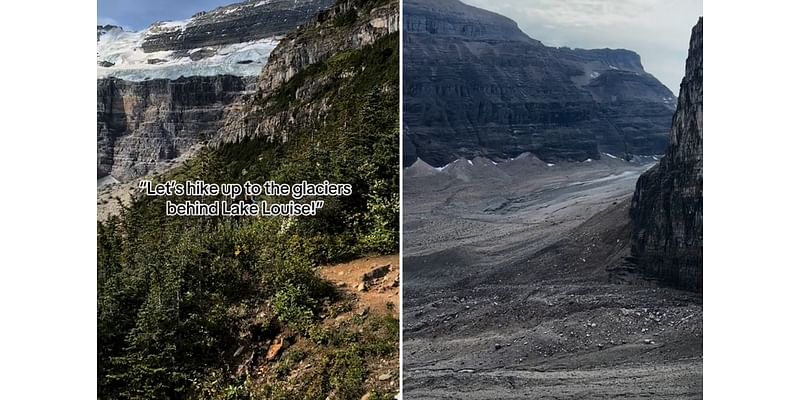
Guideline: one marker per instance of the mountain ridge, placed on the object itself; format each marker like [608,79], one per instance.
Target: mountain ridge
[477,85]
[169,87]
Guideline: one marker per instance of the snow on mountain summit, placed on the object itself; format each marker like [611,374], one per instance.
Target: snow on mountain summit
[235,40]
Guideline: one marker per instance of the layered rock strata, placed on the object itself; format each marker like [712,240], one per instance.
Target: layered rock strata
[140,124]
[667,207]
[476,85]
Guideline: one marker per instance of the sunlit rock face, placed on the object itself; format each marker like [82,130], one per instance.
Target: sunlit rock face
[140,124]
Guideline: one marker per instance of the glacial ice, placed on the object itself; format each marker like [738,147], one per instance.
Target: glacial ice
[130,62]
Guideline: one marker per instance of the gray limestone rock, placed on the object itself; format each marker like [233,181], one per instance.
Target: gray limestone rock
[142,123]
[476,85]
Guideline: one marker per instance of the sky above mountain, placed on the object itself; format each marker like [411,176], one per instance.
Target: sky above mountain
[658,30]
[139,14]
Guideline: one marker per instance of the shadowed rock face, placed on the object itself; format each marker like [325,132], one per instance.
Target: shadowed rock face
[667,208]
[474,84]
[142,123]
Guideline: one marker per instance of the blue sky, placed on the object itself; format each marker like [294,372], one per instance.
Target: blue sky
[139,14]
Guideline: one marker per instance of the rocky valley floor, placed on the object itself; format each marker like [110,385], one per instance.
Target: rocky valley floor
[516,287]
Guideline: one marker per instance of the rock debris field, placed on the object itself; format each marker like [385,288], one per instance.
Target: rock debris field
[516,287]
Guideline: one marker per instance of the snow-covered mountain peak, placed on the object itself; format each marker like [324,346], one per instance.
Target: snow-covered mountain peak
[229,40]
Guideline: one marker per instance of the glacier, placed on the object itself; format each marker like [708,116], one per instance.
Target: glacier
[120,55]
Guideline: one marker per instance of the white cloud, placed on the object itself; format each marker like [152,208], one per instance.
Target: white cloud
[658,30]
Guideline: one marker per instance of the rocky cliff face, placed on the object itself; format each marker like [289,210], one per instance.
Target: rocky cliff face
[325,36]
[474,84]
[235,23]
[667,207]
[140,124]
[171,86]
[347,26]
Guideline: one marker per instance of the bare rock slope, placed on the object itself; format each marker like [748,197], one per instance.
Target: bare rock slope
[507,294]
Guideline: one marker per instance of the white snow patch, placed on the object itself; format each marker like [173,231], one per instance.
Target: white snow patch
[594,74]
[170,25]
[612,156]
[440,169]
[550,164]
[588,160]
[470,162]
[612,67]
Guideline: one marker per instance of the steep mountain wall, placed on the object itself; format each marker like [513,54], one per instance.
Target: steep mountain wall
[475,84]
[307,55]
[142,123]
[667,207]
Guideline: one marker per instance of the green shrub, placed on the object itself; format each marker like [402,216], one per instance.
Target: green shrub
[295,307]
